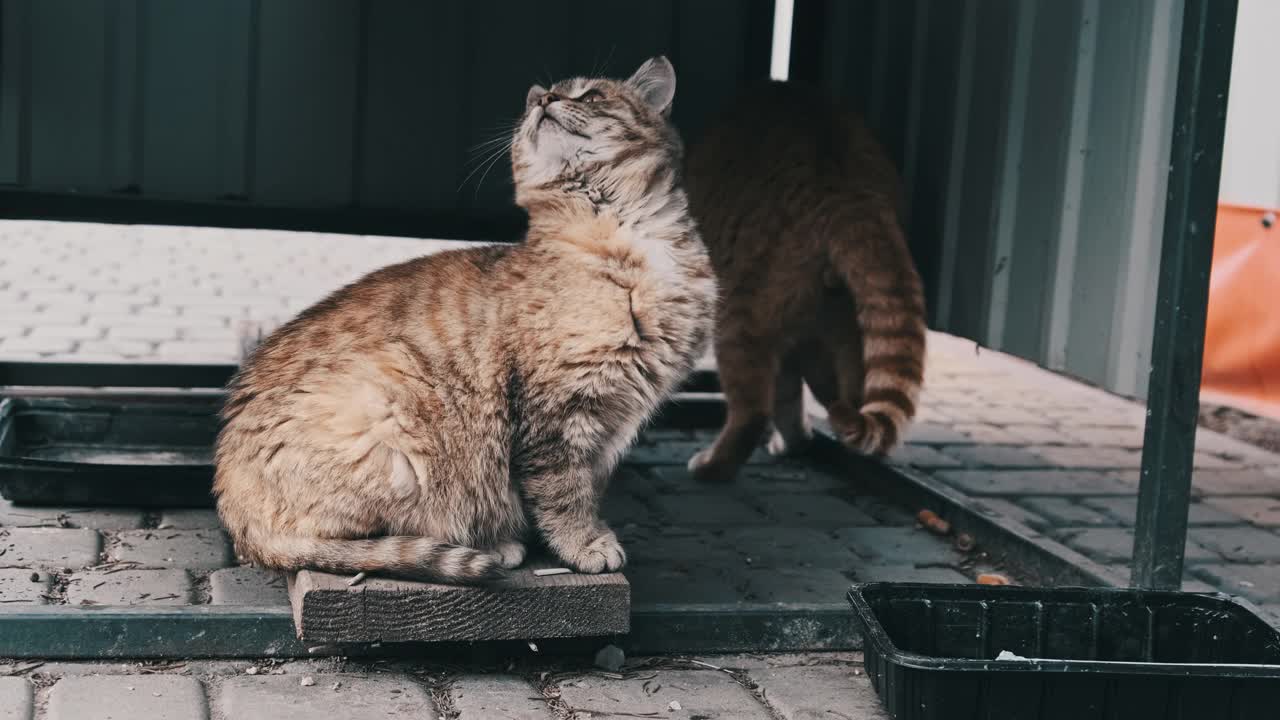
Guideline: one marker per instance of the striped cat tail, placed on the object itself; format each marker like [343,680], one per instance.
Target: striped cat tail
[419,558]
[876,265]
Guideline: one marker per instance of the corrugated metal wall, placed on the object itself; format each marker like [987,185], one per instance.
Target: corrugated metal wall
[1033,134]
[1034,137]
[325,103]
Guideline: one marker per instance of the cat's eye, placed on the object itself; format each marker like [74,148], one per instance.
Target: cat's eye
[591,96]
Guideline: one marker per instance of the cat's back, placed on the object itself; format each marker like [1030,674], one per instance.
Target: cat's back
[785,148]
[429,294]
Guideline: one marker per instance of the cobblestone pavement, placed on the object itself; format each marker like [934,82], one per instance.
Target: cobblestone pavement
[125,292]
[1062,459]
[1044,451]
[739,687]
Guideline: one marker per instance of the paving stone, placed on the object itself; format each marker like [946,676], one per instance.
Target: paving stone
[675,546]
[687,582]
[129,587]
[898,546]
[702,694]
[150,332]
[17,587]
[797,585]
[1065,512]
[1264,511]
[1040,482]
[49,547]
[620,508]
[1115,545]
[128,697]
[1089,457]
[1124,510]
[813,693]
[24,346]
[907,573]
[96,518]
[498,697]
[678,453]
[16,699]
[1259,583]
[778,477]
[248,586]
[708,510]
[783,547]
[923,456]
[1012,511]
[1107,437]
[995,456]
[282,697]
[812,510]
[189,520]
[1240,544]
[986,434]
[64,332]
[927,433]
[1040,435]
[191,549]
[1237,482]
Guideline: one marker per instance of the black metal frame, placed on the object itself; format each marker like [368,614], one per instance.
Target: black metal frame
[1173,392]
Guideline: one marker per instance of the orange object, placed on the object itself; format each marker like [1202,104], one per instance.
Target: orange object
[1242,333]
[993,579]
[930,521]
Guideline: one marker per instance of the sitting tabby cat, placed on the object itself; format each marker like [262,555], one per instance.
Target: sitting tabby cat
[420,420]
[798,205]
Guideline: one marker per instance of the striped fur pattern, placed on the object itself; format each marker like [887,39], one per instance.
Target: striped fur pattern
[799,207]
[435,416]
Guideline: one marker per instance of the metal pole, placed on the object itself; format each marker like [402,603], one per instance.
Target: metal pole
[1199,121]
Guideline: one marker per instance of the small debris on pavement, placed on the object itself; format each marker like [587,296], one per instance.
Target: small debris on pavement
[35,577]
[359,578]
[335,686]
[533,646]
[251,670]
[543,572]
[673,705]
[930,521]
[307,681]
[611,658]
[993,579]
[965,542]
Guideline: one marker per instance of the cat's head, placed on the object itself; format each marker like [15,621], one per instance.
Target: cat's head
[584,128]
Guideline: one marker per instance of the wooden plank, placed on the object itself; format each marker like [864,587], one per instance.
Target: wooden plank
[522,607]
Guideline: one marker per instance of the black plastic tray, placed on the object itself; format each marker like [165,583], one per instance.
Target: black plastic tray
[1095,653]
[156,450]
[151,452]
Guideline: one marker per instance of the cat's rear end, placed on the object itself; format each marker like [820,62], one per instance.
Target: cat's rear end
[799,207]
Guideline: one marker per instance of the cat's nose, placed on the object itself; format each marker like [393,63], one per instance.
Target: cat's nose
[548,98]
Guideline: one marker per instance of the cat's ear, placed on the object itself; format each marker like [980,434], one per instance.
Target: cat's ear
[656,83]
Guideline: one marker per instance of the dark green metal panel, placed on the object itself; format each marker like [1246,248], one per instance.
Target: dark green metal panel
[337,115]
[1195,161]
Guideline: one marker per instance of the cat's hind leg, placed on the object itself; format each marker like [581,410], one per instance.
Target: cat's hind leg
[748,372]
[791,431]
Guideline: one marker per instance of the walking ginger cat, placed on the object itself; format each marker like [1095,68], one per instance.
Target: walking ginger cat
[799,207]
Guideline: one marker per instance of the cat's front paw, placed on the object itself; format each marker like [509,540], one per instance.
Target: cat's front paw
[604,554]
[511,554]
